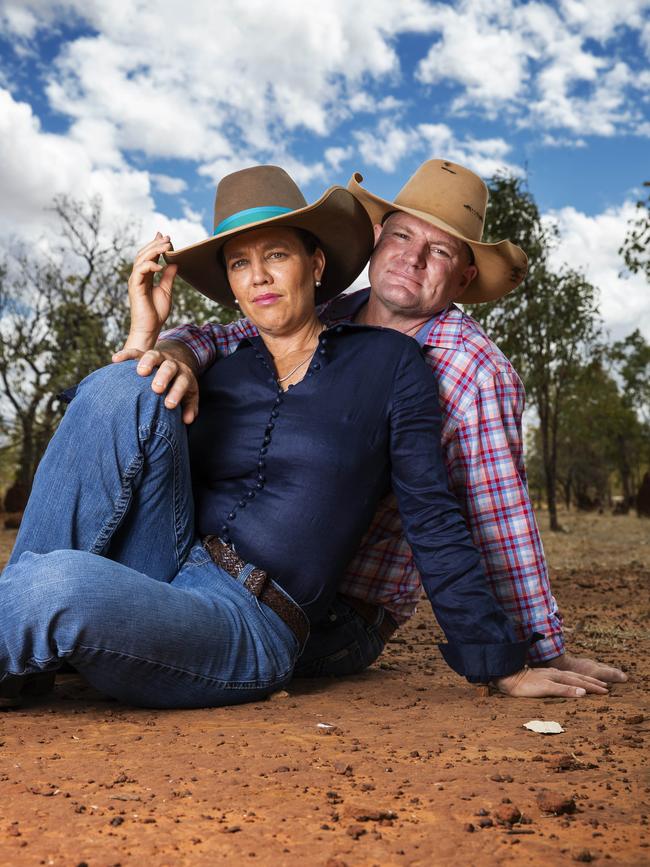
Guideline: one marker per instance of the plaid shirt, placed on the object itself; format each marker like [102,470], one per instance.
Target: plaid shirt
[482,402]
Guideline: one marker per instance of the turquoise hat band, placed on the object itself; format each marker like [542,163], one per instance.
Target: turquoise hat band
[250,215]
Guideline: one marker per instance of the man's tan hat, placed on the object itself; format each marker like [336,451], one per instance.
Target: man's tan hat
[267,196]
[454,199]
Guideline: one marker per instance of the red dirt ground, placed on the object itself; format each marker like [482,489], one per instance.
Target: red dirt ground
[417,769]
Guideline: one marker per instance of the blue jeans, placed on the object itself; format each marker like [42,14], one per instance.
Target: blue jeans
[106,573]
[341,645]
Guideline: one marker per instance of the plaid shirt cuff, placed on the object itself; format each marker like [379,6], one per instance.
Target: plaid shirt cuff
[481,663]
[550,646]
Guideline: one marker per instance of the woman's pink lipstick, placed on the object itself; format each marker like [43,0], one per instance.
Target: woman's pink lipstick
[267,298]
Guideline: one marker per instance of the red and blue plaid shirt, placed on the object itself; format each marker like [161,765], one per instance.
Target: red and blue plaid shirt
[482,401]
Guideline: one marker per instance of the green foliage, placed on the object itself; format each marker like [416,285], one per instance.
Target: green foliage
[636,247]
[62,312]
[549,327]
[631,360]
[600,436]
[62,315]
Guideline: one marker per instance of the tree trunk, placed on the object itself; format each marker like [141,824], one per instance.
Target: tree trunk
[567,489]
[549,458]
[27,457]
[626,474]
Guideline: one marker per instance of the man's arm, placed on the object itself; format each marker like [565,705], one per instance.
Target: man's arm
[181,355]
[482,643]
[486,469]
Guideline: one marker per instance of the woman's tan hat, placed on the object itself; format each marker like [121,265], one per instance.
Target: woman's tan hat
[454,199]
[267,196]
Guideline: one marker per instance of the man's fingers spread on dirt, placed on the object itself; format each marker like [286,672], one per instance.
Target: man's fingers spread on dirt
[579,680]
[609,674]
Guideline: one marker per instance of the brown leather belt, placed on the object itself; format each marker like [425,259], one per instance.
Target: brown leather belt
[259,584]
[370,613]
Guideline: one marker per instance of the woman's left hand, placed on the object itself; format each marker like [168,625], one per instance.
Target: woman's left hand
[540,682]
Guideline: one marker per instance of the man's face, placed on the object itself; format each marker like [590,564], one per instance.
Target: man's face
[417,269]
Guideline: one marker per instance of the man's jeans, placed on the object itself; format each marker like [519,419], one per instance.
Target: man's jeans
[341,645]
[107,575]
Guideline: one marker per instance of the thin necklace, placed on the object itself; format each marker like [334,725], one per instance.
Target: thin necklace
[302,363]
[291,372]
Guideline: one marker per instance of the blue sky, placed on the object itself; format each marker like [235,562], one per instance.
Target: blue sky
[149,105]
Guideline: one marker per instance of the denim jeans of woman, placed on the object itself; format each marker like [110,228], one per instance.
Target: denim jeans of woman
[107,574]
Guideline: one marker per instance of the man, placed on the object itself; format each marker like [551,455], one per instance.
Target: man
[428,255]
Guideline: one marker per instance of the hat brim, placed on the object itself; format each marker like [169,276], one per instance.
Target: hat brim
[338,221]
[501,266]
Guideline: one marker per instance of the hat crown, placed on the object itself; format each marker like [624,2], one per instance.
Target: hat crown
[255,188]
[449,192]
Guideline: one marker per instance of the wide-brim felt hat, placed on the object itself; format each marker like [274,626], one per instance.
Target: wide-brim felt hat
[454,199]
[267,196]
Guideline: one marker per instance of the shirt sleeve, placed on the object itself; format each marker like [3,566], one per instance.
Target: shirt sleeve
[485,464]
[212,340]
[482,642]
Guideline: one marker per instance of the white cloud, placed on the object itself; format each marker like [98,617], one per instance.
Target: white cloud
[599,19]
[170,186]
[234,76]
[336,156]
[535,61]
[479,49]
[35,166]
[552,141]
[591,244]
[387,144]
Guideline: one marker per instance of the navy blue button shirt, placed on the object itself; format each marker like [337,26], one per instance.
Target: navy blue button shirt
[292,479]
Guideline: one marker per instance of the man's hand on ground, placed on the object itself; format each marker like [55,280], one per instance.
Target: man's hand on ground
[540,682]
[589,667]
[173,374]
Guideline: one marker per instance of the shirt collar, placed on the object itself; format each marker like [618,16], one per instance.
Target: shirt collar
[443,331]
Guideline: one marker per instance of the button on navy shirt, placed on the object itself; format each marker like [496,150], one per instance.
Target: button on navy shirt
[292,479]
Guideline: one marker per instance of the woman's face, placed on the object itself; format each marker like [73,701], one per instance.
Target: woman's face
[272,276]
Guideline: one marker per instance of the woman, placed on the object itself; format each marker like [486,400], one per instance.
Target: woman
[301,432]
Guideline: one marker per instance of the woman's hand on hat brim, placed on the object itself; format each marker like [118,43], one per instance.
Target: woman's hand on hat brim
[540,682]
[150,302]
[173,377]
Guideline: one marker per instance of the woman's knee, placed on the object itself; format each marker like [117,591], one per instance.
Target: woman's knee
[49,585]
[115,383]
[115,393]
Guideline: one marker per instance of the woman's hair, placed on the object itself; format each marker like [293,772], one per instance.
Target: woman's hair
[310,242]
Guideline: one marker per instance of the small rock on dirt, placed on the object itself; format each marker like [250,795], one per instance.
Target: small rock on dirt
[553,802]
[368,814]
[507,814]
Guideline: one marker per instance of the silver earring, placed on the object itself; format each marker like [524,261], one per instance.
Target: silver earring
[318,284]
[235,302]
